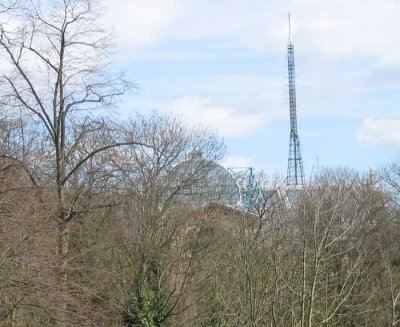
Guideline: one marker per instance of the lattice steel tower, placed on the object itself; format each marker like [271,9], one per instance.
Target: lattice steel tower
[295,171]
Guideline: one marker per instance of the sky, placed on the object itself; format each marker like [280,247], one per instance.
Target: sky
[222,65]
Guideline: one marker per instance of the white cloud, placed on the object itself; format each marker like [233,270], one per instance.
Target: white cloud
[225,120]
[380,132]
[235,161]
[141,23]
[335,28]
[349,28]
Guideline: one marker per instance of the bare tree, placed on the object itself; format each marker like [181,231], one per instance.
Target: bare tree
[333,233]
[160,230]
[57,69]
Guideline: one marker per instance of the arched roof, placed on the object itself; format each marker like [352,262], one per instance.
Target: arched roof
[218,184]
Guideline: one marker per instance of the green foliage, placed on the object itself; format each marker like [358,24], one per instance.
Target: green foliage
[147,307]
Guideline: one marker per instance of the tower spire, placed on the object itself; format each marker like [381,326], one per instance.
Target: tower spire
[295,171]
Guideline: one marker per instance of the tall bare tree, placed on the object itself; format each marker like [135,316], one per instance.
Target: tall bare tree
[57,69]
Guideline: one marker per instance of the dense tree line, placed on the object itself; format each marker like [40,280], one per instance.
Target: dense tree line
[95,229]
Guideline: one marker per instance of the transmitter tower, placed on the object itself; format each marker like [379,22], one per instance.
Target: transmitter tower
[295,171]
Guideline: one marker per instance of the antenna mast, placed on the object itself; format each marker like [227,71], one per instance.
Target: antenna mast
[295,171]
